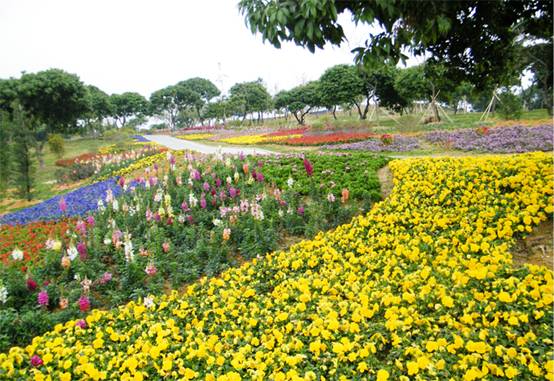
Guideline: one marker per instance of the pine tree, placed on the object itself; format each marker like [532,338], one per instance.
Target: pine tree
[23,168]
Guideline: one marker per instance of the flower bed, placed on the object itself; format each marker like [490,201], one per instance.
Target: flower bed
[79,202]
[195,136]
[497,140]
[398,143]
[29,239]
[332,138]
[140,138]
[195,216]
[420,288]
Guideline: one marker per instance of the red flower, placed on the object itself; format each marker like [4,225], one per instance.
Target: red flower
[309,167]
[31,284]
[84,303]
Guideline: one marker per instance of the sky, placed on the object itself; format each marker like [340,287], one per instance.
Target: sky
[143,46]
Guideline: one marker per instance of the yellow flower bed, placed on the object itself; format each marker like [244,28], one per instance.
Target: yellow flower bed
[195,136]
[139,164]
[257,139]
[421,288]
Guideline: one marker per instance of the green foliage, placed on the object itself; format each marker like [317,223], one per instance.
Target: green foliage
[174,100]
[300,100]
[341,84]
[128,105]
[478,41]
[100,105]
[55,98]
[5,152]
[249,97]
[510,105]
[56,144]
[23,169]
[8,94]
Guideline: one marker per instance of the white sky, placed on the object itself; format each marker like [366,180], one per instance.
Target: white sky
[142,46]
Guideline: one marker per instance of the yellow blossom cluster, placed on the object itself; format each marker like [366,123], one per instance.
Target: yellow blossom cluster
[421,288]
[140,164]
[258,139]
[195,136]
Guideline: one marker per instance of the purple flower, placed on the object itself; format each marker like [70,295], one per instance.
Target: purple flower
[232,192]
[259,177]
[184,206]
[42,298]
[398,144]
[206,186]
[300,210]
[203,203]
[196,175]
[81,324]
[153,181]
[218,182]
[36,361]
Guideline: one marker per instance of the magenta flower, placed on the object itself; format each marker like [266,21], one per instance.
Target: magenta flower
[301,210]
[153,181]
[196,175]
[82,249]
[36,361]
[81,227]
[259,177]
[218,182]
[122,181]
[31,284]
[81,324]
[106,277]
[90,221]
[232,192]
[63,205]
[203,203]
[42,298]
[84,303]
[184,206]
[309,168]
[241,155]
[206,186]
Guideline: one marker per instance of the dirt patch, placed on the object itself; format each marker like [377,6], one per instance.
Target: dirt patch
[536,248]
[385,179]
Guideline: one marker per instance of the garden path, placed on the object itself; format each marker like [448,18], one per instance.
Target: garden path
[180,144]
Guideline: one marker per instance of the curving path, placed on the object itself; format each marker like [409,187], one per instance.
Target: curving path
[180,144]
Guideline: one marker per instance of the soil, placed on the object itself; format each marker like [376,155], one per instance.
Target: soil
[536,248]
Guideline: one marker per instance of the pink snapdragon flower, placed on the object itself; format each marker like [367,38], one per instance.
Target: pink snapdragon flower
[42,298]
[63,205]
[36,361]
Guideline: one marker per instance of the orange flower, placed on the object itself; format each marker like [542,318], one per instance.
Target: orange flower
[245,168]
[345,194]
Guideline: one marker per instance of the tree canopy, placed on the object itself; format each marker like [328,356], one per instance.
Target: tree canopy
[300,100]
[127,105]
[249,97]
[478,41]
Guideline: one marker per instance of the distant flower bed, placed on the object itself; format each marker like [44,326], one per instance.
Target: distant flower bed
[140,138]
[333,138]
[498,140]
[78,202]
[257,139]
[195,136]
[398,143]
[294,131]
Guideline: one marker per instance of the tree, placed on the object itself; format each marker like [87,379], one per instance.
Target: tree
[218,110]
[100,105]
[476,40]
[8,93]
[127,105]
[302,99]
[23,169]
[205,91]
[172,101]
[342,84]
[538,59]
[250,97]
[385,88]
[56,100]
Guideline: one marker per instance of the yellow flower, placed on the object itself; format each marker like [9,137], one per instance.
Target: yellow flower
[382,375]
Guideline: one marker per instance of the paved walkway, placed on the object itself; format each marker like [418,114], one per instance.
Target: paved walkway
[180,144]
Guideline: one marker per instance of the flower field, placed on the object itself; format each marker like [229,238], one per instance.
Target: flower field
[171,224]
[199,136]
[422,287]
[509,139]
[399,143]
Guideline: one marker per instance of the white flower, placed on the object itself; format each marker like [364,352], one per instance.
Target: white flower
[107,241]
[115,205]
[109,196]
[148,302]
[181,218]
[72,252]
[3,294]
[158,196]
[331,197]
[101,206]
[229,180]
[17,255]
[281,213]
[193,201]
[236,176]
[217,222]
[290,182]
[128,247]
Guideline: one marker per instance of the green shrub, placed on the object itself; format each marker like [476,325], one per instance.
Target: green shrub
[56,145]
[510,106]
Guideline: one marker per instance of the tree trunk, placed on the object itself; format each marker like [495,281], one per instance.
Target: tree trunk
[335,112]
[299,120]
[366,109]
[436,115]
[359,110]
[40,154]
